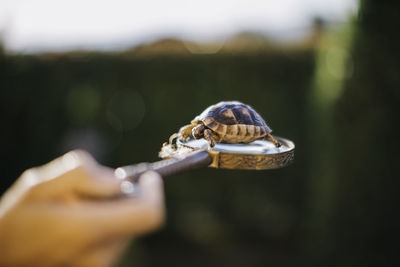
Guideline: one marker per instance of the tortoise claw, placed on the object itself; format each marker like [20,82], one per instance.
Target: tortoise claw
[270,138]
[173,138]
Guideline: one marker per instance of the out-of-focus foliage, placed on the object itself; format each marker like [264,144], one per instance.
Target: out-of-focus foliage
[123,106]
[354,219]
[333,65]
[336,205]
[365,216]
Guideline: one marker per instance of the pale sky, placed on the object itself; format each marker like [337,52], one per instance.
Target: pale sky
[39,25]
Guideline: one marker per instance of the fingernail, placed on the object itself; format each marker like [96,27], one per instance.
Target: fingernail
[130,189]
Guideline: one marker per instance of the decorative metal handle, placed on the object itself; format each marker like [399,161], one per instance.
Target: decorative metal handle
[167,167]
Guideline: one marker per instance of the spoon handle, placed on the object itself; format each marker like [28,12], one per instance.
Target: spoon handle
[167,167]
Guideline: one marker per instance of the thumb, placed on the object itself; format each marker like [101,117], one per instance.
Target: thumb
[75,174]
[92,179]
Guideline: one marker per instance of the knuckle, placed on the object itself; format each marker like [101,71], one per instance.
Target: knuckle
[79,156]
[79,152]
[30,176]
[77,161]
[29,172]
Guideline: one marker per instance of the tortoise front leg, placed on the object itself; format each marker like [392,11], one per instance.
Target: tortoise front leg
[186,131]
[270,138]
[198,131]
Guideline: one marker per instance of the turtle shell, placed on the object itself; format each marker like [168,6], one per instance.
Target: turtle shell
[234,122]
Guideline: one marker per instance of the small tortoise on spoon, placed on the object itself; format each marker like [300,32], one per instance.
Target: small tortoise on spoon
[227,122]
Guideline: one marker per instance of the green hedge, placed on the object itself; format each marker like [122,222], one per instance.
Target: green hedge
[122,107]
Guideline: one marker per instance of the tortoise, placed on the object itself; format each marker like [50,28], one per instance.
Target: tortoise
[228,122]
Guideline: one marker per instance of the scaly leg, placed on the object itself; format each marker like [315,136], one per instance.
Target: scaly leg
[209,137]
[198,131]
[186,131]
[270,138]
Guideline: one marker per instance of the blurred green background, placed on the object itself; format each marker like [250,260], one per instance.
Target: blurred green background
[336,95]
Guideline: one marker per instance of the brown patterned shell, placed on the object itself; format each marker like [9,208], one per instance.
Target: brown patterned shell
[234,121]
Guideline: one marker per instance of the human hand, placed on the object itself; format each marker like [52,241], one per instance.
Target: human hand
[70,212]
